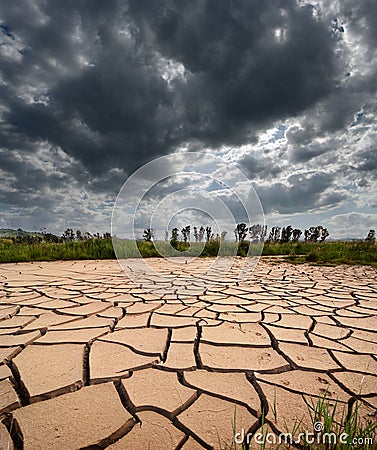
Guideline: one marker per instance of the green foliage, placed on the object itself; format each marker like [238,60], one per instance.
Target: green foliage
[47,251]
[147,249]
[335,252]
[324,411]
[211,248]
[356,433]
[174,238]
[243,248]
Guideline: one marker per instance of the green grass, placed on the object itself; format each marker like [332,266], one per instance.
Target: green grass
[359,435]
[337,252]
[327,253]
[350,432]
[207,249]
[91,249]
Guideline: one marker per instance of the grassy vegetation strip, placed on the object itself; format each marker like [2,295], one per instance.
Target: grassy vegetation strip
[91,249]
[337,252]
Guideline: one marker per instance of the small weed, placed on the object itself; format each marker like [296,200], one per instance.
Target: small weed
[326,428]
[274,407]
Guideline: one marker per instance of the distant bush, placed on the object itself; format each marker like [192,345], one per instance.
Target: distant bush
[243,248]
[312,257]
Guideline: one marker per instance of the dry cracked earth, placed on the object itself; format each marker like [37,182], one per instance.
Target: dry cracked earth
[90,359]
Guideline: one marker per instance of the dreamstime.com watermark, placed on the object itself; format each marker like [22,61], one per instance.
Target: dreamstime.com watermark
[305,437]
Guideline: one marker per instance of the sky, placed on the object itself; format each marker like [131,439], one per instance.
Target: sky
[282,90]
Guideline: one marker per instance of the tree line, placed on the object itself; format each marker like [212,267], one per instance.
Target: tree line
[254,233]
[69,235]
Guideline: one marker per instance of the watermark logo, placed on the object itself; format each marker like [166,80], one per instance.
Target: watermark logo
[179,206]
[318,436]
[318,426]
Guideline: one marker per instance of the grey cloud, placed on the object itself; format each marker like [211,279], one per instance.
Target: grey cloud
[237,74]
[262,167]
[304,153]
[301,193]
[353,224]
[362,16]
[366,160]
[355,84]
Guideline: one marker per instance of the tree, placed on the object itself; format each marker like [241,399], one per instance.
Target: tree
[241,232]
[324,234]
[296,233]
[274,235]
[315,234]
[186,233]
[166,236]
[263,234]
[255,232]
[79,236]
[196,234]
[68,235]
[371,236]
[208,233]
[148,234]
[222,237]
[174,237]
[201,234]
[286,234]
[49,237]
[312,234]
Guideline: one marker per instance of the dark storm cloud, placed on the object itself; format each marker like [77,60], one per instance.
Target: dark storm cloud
[107,113]
[118,111]
[355,86]
[240,72]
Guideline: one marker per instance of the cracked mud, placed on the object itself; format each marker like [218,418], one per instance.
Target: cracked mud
[89,359]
